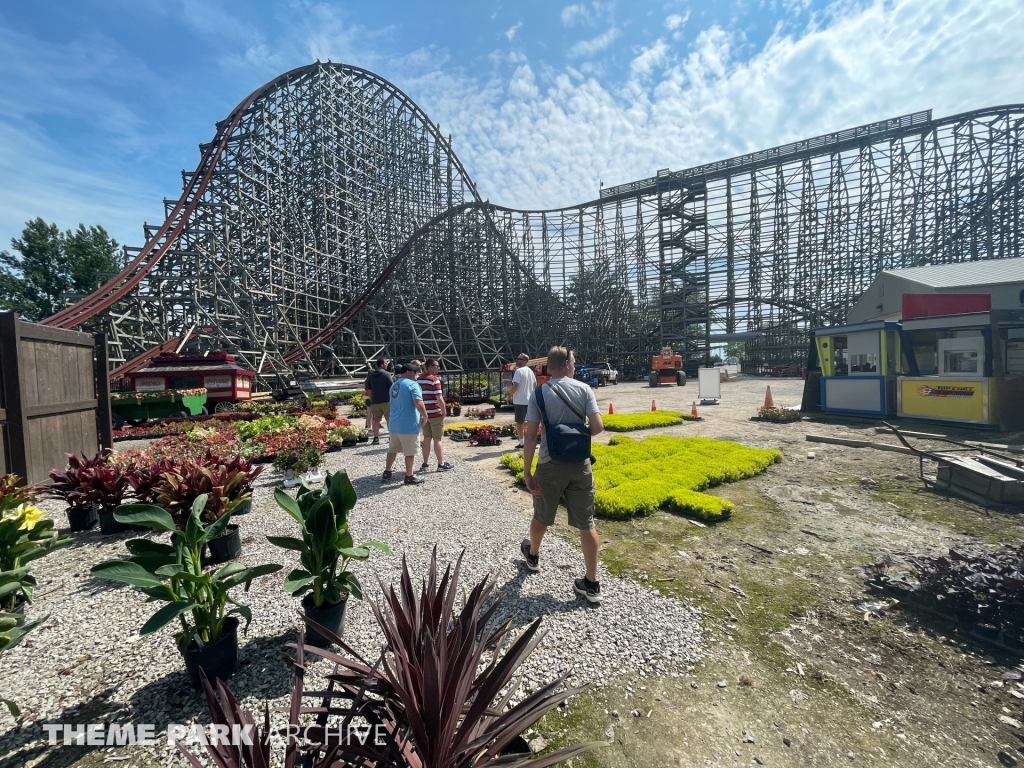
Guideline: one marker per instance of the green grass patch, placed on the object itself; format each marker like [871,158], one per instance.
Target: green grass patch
[638,477]
[627,422]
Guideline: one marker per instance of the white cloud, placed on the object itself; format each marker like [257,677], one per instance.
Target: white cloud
[585,48]
[546,140]
[590,14]
[649,59]
[675,21]
[510,33]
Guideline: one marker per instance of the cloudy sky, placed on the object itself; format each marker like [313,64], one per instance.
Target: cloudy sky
[103,102]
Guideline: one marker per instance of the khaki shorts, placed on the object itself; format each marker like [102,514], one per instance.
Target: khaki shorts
[571,481]
[406,444]
[380,409]
[433,429]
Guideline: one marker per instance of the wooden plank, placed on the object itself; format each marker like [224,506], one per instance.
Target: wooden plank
[9,365]
[54,409]
[858,444]
[101,386]
[34,332]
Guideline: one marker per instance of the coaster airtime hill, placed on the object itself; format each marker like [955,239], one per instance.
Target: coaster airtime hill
[329,220]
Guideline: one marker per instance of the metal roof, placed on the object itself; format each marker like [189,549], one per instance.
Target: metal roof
[988,272]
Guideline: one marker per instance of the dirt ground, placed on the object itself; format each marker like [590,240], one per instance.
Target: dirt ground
[806,668]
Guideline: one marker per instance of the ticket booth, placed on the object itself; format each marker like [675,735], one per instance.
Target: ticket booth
[949,359]
[859,367]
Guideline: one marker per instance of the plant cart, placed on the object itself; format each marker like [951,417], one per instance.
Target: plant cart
[139,407]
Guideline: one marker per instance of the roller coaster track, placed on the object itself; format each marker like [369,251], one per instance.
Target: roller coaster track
[778,238]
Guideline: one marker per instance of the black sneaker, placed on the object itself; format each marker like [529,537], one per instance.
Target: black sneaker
[589,589]
[413,480]
[424,467]
[376,441]
[445,467]
[386,476]
[532,561]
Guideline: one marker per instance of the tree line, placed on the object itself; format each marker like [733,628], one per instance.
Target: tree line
[47,263]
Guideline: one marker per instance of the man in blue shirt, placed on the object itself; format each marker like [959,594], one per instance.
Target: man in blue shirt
[407,412]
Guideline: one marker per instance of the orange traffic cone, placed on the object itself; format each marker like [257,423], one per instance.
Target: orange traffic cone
[768,401]
[611,409]
[653,406]
[693,410]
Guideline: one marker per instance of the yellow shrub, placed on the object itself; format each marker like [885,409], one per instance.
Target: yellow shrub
[627,422]
[637,477]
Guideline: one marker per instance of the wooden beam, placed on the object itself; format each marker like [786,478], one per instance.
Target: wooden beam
[859,444]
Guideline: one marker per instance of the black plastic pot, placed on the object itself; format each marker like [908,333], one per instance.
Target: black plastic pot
[83,518]
[110,526]
[330,617]
[243,509]
[218,659]
[225,547]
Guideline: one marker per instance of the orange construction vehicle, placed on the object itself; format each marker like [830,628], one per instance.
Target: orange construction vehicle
[667,368]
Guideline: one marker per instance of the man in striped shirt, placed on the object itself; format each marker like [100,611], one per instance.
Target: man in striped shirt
[433,425]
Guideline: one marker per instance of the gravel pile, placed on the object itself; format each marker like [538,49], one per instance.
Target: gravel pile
[87,664]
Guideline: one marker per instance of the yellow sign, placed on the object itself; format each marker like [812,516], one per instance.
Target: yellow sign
[952,399]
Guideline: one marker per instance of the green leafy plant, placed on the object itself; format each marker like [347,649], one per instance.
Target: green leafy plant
[26,534]
[326,546]
[298,460]
[264,426]
[338,436]
[199,600]
[11,633]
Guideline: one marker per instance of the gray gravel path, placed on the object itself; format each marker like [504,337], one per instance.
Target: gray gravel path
[88,664]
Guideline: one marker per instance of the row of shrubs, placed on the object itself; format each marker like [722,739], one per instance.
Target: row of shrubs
[637,477]
[627,422]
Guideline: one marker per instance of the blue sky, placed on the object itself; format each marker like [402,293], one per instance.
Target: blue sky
[103,102]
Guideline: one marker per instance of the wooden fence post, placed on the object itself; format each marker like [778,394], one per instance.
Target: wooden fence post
[17,459]
[103,392]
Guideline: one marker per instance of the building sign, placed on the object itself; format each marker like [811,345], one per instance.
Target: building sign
[947,399]
[153,384]
[218,382]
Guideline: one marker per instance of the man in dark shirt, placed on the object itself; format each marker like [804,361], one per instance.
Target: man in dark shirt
[378,383]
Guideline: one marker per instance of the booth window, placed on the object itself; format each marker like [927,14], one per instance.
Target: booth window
[1014,350]
[840,357]
[960,361]
[185,382]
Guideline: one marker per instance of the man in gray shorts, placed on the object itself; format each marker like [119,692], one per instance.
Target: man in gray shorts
[557,479]
[523,384]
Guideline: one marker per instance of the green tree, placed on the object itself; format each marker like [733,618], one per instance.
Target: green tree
[47,263]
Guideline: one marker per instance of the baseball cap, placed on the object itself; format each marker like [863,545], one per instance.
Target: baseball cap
[406,367]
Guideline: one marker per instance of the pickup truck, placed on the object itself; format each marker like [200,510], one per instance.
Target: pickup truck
[605,373]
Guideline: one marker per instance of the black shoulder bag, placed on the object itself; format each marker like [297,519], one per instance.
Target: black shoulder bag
[566,442]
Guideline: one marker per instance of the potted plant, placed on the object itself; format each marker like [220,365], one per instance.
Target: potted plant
[26,534]
[295,462]
[227,483]
[198,599]
[325,550]
[92,489]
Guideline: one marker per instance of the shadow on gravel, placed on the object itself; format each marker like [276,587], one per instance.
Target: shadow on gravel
[23,744]
[523,609]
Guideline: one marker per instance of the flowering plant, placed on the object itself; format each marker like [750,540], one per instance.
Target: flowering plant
[225,482]
[26,534]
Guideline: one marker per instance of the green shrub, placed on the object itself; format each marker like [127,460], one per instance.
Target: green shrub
[627,422]
[638,477]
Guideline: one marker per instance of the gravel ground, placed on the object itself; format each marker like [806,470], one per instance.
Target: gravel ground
[87,664]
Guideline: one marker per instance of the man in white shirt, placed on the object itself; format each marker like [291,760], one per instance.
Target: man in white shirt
[523,384]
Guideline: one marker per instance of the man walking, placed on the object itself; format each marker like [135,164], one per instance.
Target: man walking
[523,384]
[407,412]
[565,401]
[433,425]
[378,404]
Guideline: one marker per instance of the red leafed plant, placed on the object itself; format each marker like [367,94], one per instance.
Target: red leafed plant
[90,481]
[226,482]
[485,436]
[440,696]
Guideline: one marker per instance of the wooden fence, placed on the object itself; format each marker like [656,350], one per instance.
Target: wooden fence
[54,396]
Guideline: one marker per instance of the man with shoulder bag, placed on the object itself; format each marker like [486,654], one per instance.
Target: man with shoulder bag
[568,410]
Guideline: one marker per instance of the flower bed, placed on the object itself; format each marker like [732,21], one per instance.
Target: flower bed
[637,477]
[777,415]
[627,422]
